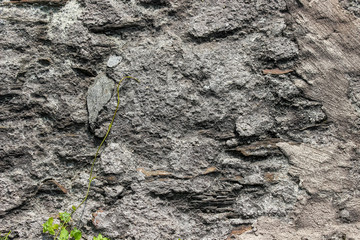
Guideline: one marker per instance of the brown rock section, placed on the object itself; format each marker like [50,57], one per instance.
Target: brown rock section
[276,71]
[330,55]
[329,44]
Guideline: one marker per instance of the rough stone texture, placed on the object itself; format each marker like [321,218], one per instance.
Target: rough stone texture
[352,6]
[245,124]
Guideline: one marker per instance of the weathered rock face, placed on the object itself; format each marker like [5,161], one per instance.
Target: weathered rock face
[244,126]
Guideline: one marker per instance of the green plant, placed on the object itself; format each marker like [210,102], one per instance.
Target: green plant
[60,231]
[6,236]
[99,237]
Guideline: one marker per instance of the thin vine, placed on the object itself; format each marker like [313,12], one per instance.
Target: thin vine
[59,231]
[6,236]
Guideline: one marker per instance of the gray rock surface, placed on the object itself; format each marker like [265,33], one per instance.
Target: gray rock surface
[245,124]
[98,96]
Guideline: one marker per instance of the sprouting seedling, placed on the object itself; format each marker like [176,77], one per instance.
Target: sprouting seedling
[65,217]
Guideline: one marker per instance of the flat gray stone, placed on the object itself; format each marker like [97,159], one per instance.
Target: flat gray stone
[99,94]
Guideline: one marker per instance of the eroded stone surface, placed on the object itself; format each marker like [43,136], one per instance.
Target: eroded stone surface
[207,146]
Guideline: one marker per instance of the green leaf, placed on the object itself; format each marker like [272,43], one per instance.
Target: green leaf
[76,234]
[48,226]
[65,217]
[100,237]
[64,234]
[73,208]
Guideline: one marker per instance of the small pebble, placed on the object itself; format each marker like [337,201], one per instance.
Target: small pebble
[113,61]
